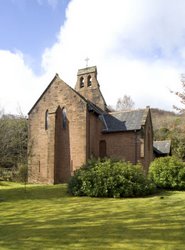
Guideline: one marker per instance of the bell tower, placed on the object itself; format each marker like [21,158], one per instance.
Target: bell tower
[87,85]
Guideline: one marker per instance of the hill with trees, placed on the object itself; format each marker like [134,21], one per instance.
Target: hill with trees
[170,125]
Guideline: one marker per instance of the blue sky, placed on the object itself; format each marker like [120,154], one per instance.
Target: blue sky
[137,45]
[30,26]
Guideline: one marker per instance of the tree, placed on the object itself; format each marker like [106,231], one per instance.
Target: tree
[13,140]
[178,143]
[161,134]
[125,103]
[181,95]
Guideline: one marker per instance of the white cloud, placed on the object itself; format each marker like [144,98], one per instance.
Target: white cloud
[137,45]
[19,86]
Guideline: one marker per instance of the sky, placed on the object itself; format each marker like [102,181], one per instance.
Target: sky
[138,47]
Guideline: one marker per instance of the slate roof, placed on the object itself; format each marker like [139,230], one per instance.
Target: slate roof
[124,120]
[93,108]
[162,147]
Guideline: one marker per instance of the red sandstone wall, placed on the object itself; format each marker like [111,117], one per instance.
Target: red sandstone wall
[123,146]
[148,143]
[44,153]
[136,147]
[95,128]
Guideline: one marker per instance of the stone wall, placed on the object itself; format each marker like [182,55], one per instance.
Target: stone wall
[55,153]
[87,85]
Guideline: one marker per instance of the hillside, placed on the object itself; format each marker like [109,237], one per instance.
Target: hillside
[166,119]
[169,125]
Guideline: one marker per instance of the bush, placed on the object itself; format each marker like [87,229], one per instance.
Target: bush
[110,179]
[168,173]
[19,174]
[6,174]
[13,140]
[22,173]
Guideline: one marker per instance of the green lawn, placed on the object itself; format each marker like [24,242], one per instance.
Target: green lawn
[45,217]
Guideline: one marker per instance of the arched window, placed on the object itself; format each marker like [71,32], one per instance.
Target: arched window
[46,120]
[64,118]
[89,81]
[81,82]
[142,148]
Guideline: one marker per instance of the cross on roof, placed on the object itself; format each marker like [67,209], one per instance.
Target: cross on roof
[87,60]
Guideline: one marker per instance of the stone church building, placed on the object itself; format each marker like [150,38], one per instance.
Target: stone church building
[68,126]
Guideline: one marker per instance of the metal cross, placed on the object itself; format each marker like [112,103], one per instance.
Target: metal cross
[87,60]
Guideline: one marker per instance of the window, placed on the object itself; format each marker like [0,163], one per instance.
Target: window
[39,167]
[142,149]
[46,120]
[81,82]
[89,81]
[64,118]
[148,135]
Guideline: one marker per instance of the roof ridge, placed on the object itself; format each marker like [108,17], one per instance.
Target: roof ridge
[162,140]
[48,86]
[128,111]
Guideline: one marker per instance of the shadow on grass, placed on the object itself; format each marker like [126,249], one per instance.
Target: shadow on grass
[101,236]
[32,192]
[46,217]
[95,224]
[16,192]
[3,183]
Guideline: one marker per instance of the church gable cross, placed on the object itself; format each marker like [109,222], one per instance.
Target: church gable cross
[87,60]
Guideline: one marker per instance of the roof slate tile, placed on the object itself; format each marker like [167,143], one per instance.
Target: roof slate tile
[124,120]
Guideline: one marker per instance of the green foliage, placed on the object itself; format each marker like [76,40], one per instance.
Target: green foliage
[18,174]
[13,141]
[21,175]
[161,134]
[170,126]
[168,173]
[6,174]
[177,137]
[110,179]
[178,143]
[13,147]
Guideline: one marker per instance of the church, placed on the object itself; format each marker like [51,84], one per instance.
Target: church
[69,126]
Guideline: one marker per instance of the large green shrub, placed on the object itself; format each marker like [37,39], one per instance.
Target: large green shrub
[168,173]
[110,179]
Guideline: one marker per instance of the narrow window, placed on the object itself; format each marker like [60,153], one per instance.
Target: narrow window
[39,166]
[142,149]
[148,135]
[81,82]
[64,118]
[102,149]
[46,120]
[89,81]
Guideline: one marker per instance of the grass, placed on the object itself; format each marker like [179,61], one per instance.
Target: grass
[46,217]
